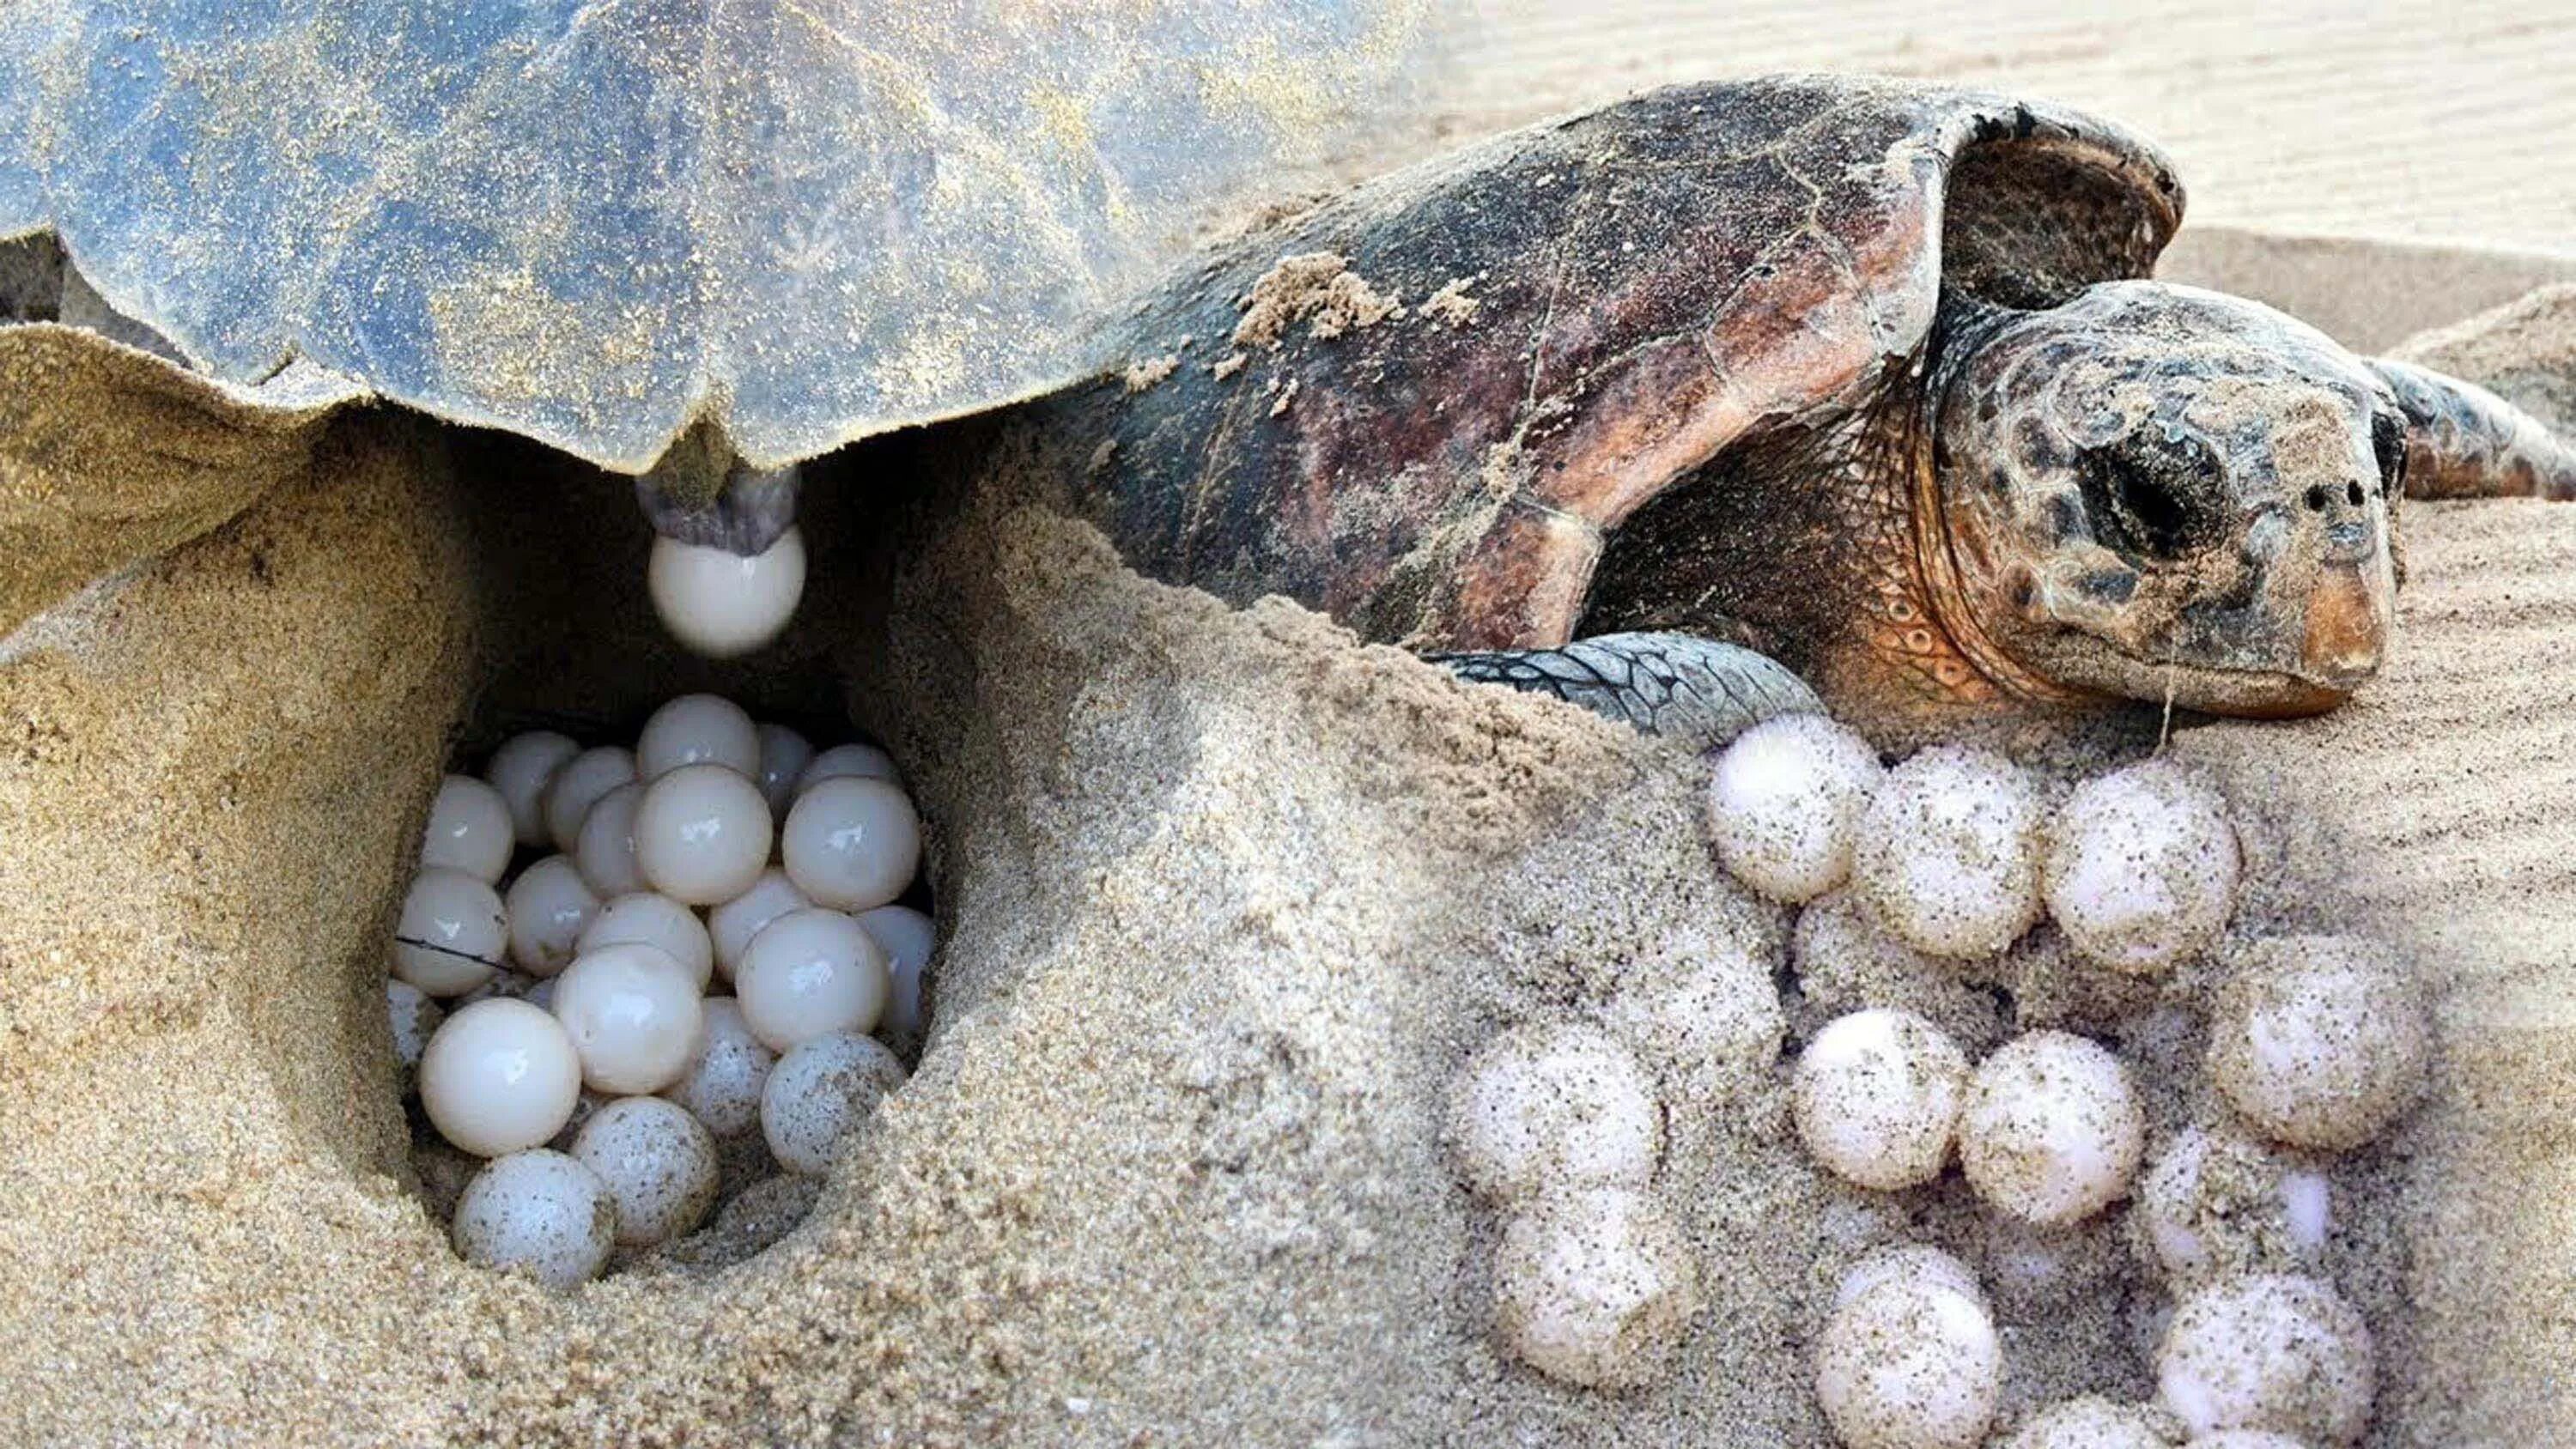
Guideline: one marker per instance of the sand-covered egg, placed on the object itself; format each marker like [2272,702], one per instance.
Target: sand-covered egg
[702,834]
[413,1017]
[1948,852]
[1701,1008]
[1909,1357]
[2244,1439]
[2214,1202]
[2272,1351]
[549,906]
[1784,804]
[2053,1131]
[1843,961]
[539,1211]
[2319,1041]
[722,604]
[657,1162]
[1876,1097]
[470,829]
[851,843]
[452,934]
[2091,1422]
[633,1016]
[1594,1287]
[819,1096]
[2142,867]
[728,1065]
[1553,1106]
[498,1076]
[811,973]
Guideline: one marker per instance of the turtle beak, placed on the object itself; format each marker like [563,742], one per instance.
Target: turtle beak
[2349,614]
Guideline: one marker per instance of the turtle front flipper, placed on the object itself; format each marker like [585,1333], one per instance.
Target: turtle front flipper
[2463,441]
[1696,692]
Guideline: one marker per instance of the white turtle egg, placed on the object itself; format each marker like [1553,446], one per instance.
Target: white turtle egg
[852,844]
[1948,853]
[2091,1422]
[1552,1106]
[1785,802]
[2052,1132]
[469,829]
[654,920]
[908,938]
[819,1098]
[1594,1287]
[2319,1041]
[784,754]
[2142,868]
[732,925]
[811,973]
[498,1076]
[702,834]
[549,906]
[579,785]
[451,934]
[721,604]
[1906,1262]
[2273,1351]
[539,1211]
[604,850]
[658,1163]
[852,761]
[727,1067]
[413,1017]
[1876,1096]
[2213,1202]
[697,729]
[1909,1360]
[521,769]
[633,1016]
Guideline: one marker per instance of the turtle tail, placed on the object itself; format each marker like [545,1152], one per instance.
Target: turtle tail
[1696,692]
[2465,442]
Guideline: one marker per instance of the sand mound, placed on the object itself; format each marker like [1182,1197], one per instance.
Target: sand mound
[1232,897]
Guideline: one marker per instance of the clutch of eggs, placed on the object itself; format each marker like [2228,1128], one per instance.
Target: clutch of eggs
[617,961]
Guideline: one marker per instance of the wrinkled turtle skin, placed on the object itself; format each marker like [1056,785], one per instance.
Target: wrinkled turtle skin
[1864,375]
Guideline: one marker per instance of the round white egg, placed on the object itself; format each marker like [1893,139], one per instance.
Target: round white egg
[604,851]
[698,729]
[2091,1422]
[658,1163]
[2142,868]
[811,973]
[577,786]
[1948,853]
[1552,1106]
[853,761]
[820,1097]
[908,939]
[1594,1287]
[1876,1097]
[1908,1360]
[727,1067]
[498,1076]
[852,844]
[784,754]
[2319,1041]
[452,933]
[633,1015]
[2052,1132]
[1785,801]
[702,834]
[469,829]
[732,925]
[654,920]
[2213,1202]
[538,1211]
[2272,1351]
[521,769]
[720,604]
[549,906]
[1699,1006]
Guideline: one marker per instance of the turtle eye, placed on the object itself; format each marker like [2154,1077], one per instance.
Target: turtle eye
[2152,495]
[2388,446]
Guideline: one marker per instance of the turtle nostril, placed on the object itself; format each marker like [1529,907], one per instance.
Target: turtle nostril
[2352,493]
[2316,498]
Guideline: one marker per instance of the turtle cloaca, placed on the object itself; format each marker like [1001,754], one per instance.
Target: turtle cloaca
[1866,378]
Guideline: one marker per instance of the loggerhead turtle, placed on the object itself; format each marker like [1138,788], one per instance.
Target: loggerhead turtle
[1863,375]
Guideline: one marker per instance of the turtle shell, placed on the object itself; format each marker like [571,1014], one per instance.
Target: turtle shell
[1421,407]
[597,221]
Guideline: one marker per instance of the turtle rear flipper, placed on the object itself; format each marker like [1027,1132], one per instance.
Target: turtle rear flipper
[1698,693]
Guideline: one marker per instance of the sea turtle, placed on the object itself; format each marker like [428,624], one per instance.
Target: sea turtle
[1864,375]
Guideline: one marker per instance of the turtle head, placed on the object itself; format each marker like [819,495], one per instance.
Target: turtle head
[2162,493]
